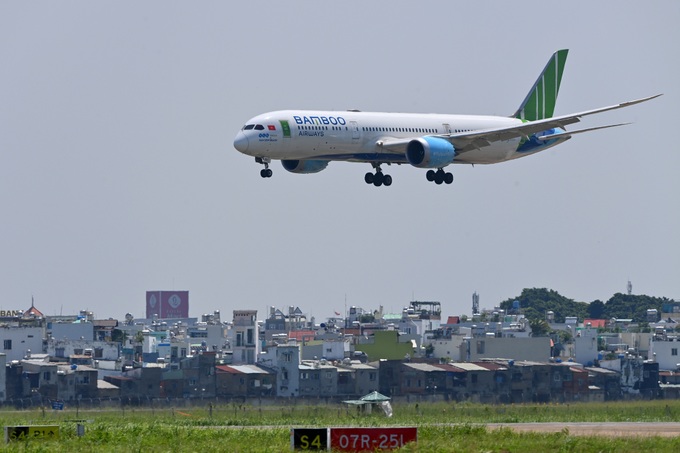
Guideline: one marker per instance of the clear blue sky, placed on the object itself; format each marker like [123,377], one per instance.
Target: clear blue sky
[118,175]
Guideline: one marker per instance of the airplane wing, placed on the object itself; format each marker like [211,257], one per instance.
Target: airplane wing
[468,141]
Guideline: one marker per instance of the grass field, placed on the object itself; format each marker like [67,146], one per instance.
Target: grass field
[441,427]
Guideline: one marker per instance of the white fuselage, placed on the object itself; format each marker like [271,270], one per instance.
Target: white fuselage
[357,136]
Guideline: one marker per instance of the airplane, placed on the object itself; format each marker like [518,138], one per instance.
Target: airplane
[305,141]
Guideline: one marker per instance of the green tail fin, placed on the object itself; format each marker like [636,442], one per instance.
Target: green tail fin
[540,102]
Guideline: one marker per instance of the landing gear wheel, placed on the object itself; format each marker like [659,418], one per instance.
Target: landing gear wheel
[265,172]
[378,178]
[439,176]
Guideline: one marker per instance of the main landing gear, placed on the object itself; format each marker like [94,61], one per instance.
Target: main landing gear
[266,171]
[378,179]
[439,176]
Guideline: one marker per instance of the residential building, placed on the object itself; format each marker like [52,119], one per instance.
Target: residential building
[16,383]
[80,330]
[279,322]
[199,375]
[665,349]
[16,342]
[208,337]
[3,377]
[447,348]
[365,377]
[638,376]
[75,382]
[336,348]
[476,348]
[586,346]
[284,360]
[92,350]
[606,381]
[42,377]
[245,345]
[103,329]
[247,381]
[386,344]
[138,383]
[318,378]
[422,378]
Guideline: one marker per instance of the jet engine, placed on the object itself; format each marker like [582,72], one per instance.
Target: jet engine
[430,152]
[304,166]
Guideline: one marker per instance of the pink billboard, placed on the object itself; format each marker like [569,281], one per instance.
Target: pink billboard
[167,304]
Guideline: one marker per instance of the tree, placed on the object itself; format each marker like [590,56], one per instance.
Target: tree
[429,350]
[118,335]
[596,309]
[633,306]
[564,336]
[539,327]
[543,300]
[367,319]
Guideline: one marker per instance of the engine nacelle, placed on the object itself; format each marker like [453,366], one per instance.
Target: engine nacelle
[430,152]
[304,166]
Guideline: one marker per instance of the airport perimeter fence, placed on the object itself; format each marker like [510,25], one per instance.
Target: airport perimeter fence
[235,403]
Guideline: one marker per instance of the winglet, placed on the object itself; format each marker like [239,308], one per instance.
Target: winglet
[540,102]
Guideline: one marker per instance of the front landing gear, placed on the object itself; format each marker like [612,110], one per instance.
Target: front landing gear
[266,171]
[378,179]
[439,176]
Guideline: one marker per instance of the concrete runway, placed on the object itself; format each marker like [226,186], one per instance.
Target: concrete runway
[621,429]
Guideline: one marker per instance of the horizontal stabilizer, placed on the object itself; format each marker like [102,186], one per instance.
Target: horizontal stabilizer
[570,133]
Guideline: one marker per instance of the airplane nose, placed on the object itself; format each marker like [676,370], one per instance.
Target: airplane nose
[241,142]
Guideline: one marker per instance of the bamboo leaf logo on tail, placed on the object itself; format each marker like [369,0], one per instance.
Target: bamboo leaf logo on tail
[540,102]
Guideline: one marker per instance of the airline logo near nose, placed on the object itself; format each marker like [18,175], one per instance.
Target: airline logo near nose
[320,120]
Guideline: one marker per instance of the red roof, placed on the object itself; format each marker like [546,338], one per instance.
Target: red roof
[299,334]
[453,320]
[355,332]
[449,367]
[491,366]
[227,369]
[595,322]
[33,312]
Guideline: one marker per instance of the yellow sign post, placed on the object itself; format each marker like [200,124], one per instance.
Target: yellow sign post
[13,433]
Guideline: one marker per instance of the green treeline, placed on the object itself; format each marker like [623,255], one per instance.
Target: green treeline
[535,302]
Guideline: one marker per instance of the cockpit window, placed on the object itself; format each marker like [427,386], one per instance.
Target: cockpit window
[259,127]
[248,127]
